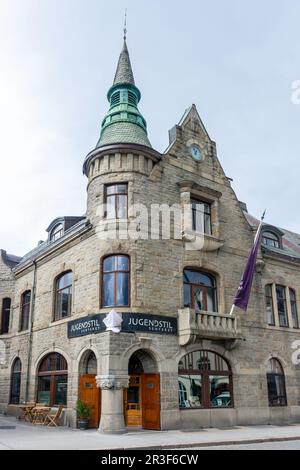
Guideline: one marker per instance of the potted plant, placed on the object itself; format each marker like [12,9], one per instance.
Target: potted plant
[83,414]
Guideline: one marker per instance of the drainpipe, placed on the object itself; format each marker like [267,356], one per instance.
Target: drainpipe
[32,310]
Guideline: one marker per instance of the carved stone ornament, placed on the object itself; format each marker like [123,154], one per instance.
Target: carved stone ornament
[112,382]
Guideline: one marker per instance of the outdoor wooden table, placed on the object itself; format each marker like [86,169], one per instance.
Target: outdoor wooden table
[26,412]
[39,414]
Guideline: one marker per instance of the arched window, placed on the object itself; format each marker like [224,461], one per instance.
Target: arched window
[91,364]
[115,281]
[205,381]
[53,380]
[199,291]
[5,316]
[276,383]
[56,232]
[270,239]
[25,310]
[15,383]
[63,296]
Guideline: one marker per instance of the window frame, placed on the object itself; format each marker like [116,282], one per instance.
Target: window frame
[25,305]
[15,377]
[116,195]
[205,382]
[269,286]
[5,317]
[273,375]
[115,272]
[56,293]
[53,234]
[52,374]
[204,289]
[195,200]
[284,300]
[276,240]
[293,303]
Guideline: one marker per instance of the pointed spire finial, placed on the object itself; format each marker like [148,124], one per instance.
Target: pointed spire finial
[125,25]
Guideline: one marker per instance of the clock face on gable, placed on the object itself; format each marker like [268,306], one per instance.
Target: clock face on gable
[196,152]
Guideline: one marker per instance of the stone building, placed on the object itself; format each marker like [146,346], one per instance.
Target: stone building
[178,359]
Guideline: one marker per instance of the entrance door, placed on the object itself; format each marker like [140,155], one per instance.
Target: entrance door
[89,393]
[133,401]
[151,401]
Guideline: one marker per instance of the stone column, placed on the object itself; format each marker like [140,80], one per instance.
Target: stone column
[112,402]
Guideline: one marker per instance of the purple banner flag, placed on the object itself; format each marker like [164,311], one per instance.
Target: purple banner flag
[242,296]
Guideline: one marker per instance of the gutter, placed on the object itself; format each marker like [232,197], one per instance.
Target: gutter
[32,311]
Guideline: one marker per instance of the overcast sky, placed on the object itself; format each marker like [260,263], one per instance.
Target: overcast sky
[236,60]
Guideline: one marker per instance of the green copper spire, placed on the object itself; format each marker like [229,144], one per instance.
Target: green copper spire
[123,122]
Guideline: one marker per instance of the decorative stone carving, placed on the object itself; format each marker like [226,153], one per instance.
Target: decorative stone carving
[112,382]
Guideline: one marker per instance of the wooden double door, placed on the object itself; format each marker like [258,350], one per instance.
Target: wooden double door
[90,394]
[142,401]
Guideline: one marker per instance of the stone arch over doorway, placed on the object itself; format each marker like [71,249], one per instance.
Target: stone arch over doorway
[144,360]
[142,397]
[88,392]
[88,363]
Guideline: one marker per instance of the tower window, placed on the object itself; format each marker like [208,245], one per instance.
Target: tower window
[131,98]
[115,99]
[116,201]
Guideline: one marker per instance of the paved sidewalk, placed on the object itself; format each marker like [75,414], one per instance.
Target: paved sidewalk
[15,434]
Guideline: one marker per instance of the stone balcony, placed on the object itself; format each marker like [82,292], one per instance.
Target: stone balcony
[194,326]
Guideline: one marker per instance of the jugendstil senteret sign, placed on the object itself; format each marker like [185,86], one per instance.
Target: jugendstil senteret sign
[86,326]
[151,323]
[131,322]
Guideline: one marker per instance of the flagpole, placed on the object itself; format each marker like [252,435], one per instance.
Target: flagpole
[255,241]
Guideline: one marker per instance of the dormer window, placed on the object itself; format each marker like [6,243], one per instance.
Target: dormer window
[57,232]
[270,239]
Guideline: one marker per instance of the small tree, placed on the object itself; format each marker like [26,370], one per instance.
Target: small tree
[83,410]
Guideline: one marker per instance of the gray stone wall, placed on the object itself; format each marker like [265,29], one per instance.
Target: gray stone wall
[156,287]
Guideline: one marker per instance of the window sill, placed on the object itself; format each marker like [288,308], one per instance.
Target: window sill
[115,307]
[283,328]
[23,332]
[211,408]
[278,406]
[201,241]
[61,321]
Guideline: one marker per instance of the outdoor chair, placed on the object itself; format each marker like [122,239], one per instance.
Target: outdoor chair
[52,419]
